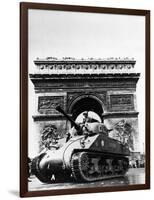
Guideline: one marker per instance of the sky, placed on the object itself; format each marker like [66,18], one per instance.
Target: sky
[83,35]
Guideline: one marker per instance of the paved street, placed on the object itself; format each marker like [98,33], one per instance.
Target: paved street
[133,176]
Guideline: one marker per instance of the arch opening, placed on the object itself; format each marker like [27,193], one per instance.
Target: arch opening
[89,104]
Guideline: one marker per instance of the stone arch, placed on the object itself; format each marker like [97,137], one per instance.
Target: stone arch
[86,102]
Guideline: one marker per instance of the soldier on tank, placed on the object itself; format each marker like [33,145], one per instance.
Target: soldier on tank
[87,119]
[83,126]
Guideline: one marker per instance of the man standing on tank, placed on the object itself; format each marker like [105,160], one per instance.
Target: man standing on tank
[87,119]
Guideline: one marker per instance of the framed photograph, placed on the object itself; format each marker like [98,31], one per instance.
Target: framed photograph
[84,99]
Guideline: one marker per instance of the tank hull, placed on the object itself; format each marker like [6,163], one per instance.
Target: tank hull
[68,161]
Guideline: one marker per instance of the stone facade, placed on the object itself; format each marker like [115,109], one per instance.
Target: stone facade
[107,87]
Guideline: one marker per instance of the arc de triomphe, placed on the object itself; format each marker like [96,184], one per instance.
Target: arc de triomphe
[104,86]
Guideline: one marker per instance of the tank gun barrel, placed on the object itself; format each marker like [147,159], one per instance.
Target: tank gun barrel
[77,127]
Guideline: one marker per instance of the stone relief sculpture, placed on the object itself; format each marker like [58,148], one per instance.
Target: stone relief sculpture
[48,103]
[49,137]
[123,131]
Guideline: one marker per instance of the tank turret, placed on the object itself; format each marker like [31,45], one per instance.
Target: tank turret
[88,154]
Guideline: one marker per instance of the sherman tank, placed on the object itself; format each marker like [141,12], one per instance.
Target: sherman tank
[88,154]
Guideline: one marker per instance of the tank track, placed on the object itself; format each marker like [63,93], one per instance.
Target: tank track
[89,166]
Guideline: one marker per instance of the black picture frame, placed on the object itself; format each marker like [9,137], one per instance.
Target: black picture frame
[24,7]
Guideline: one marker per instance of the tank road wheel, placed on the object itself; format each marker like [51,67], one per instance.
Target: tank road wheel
[101,166]
[121,167]
[84,162]
[107,168]
[125,165]
[116,168]
[43,175]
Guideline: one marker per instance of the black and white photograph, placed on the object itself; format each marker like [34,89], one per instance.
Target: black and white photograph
[86,100]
